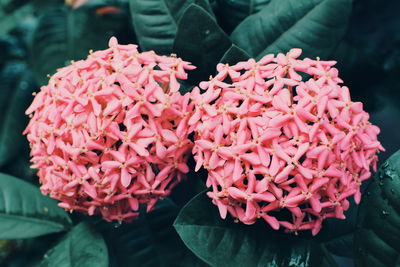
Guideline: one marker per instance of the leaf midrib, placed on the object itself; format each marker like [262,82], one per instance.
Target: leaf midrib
[33,220]
[291,26]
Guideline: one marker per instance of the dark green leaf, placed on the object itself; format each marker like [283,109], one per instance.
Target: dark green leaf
[65,34]
[148,241]
[10,48]
[361,73]
[25,212]
[338,235]
[231,12]
[81,247]
[11,17]
[185,86]
[190,187]
[200,41]
[342,246]
[14,120]
[221,243]
[377,239]
[20,166]
[156,21]
[10,74]
[233,55]
[316,26]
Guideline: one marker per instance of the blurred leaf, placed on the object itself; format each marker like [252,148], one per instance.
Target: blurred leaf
[200,41]
[10,74]
[25,212]
[63,34]
[387,116]
[233,55]
[378,232]
[338,235]
[80,247]
[20,166]
[149,241]
[316,26]
[156,21]
[13,16]
[9,248]
[10,48]
[14,120]
[189,187]
[379,33]
[10,6]
[360,72]
[342,246]
[221,243]
[232,12]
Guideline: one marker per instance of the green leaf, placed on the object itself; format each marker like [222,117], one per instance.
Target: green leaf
[200,41]
[231,13]
[156,21]
[338,235]
[14,120]
[341,246]
[378,232]
[149,241]
[12,17]
[20,166]
[25,212]
[233,55]
[361,73]
[64,34]
[222,243]
[10,48]
[10,73]
[316,26]
[81,247]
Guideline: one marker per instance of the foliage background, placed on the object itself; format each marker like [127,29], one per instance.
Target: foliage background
[36,37]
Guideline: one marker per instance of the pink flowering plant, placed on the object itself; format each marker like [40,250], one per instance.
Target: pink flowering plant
[271,141]
[111,132]
[196,133]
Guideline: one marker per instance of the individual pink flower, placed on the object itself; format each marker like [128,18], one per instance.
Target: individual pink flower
[76,3]
[111,132]
[282,141]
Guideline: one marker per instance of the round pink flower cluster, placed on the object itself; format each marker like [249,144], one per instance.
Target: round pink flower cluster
[111,132]
[282,134]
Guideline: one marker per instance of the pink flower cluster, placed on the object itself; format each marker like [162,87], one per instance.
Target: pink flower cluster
[111,132]
[282,134]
